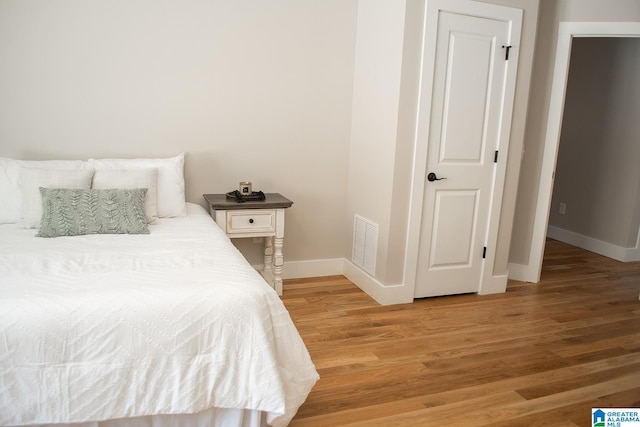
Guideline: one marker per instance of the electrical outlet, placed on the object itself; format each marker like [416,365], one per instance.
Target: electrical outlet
[563,208]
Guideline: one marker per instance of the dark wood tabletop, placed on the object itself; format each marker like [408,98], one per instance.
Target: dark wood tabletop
[271,201]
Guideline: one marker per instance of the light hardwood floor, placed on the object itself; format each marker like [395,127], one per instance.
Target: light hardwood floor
[539,354]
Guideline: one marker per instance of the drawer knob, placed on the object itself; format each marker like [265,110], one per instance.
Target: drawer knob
[250,220]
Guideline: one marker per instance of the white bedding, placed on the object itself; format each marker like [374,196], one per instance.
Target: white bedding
[111,326]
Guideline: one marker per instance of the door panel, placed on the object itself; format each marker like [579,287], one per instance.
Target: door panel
[466,112]
[465,97]
[453,237]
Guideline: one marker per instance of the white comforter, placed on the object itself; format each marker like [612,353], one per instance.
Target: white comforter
[111,326]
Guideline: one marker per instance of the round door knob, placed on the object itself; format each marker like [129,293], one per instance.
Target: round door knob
[250,220]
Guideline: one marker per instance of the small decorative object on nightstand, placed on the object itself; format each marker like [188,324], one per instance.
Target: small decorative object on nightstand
[259,217]
[245,188]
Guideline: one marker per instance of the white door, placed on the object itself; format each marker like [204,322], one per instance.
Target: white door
[467,136]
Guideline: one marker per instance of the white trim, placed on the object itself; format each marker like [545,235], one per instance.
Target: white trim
[632,254]
[489,284]
[313,268]
[593,245]
[566,32]
[419,166]
[309,268]
[493,285]
[383,294]
[519,272]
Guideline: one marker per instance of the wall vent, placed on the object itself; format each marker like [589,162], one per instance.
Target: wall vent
[365,244]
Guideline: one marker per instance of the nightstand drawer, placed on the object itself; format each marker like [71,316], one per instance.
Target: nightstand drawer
[251,221]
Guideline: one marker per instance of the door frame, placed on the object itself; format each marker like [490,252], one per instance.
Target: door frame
[566,32]
[489,282]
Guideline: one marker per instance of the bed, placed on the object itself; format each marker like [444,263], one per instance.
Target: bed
[168,328]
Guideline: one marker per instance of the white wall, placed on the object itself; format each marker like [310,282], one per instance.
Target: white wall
[597,173]
[551,13]
[385,98]
[250,90]
[378,69]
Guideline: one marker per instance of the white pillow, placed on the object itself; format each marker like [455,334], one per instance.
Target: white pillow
[170,183]
[128,179]
[10,196]
[31,179]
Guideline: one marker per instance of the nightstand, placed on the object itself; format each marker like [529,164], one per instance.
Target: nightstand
[262,218]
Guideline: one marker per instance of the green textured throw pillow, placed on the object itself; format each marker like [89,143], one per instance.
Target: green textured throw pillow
[72,212]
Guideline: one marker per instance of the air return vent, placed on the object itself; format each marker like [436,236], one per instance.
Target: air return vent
[365,244]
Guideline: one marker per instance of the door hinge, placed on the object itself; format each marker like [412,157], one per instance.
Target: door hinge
[495,157]
[506,55]
[484,252]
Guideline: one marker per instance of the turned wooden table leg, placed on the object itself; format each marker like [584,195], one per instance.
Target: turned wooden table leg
[268,253]
[278,261]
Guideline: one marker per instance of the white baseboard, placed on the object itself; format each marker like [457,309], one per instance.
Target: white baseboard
[309,268]
[523,273]
[313,268]
[495,285]
[632,254]
[594,245]
[383,294]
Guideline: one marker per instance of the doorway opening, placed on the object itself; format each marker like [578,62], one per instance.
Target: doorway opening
[568,32]
[595,203]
